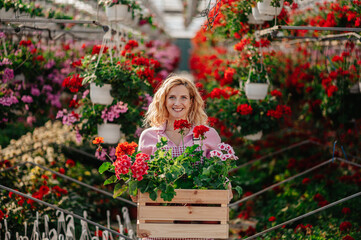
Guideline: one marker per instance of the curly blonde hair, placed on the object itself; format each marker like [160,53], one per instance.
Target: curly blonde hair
[158,114]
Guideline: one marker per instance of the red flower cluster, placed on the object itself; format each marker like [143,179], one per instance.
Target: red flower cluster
[140,166]
[306,181]
[272,219]
[73,82]
[98,140]
[70,163]
[240,46]
[337,59]
[346,210]
[77,63]
[1,215]
[125,148]
[43,190]
[244,109]
[97,48]
[73,103]
[301,227]
[276,93]
[181,124]
[320,199]
[58,190]
[25,43]
[122,165]
[130,45]
[200,130]
[217,93]
[344,226]
[279,112]
[228,76]
[348,237]
[262,43]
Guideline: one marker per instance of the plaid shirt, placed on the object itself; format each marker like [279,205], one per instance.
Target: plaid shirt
[149,138]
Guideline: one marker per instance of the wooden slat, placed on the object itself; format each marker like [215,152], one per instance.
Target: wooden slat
[183,230]
[183,213]
[192,196]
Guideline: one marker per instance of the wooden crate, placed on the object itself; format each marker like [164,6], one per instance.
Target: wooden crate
[191,214]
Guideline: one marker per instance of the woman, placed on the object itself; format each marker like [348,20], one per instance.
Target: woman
[177,98]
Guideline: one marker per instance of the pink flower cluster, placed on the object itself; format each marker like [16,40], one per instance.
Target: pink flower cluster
[67,118]
[114,111]
[139,167]
[223,147]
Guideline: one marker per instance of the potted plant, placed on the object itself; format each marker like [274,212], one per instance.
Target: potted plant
[270,7]
[161,175]
[116,10]
[130,78]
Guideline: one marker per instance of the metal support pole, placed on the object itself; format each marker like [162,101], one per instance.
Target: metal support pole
[72,180]
[305,215]
[63,210]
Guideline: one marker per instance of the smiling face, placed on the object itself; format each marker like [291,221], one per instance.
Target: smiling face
[178,103]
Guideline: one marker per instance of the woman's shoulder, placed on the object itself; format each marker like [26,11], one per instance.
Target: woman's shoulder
[150,132]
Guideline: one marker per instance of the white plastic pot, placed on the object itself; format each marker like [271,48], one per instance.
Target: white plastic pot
[252,20]
[101,95]
[266,8]
[110,132]
[260,17]
[255,136]
[118,12]
[256,91]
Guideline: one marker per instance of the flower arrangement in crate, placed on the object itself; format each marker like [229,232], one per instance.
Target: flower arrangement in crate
[135,171]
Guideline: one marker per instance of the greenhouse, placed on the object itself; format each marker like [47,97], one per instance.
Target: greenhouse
[180,119]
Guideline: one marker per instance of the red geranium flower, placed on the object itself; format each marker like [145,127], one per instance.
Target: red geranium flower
[272,219]
[181,124]
[70,163]
[200,131]
[276,93]
[125,148]
[62,170]
[346,210]
[244,109]
[348,237]
[345,226]
[306,181]
[98,140]
[1,215]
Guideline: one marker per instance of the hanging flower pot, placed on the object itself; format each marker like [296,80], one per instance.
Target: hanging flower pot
[266,8]
[256,91]
[255,136]
[252,20]
[110,132]
[101,95]
[118,12]
[257,84]
[260,17]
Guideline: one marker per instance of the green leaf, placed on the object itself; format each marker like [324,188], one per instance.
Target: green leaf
[119,189]
[110,180]
[133,189]
[239,190]
[104,167]
[153,195]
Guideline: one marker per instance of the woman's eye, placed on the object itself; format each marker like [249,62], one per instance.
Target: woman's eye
[184,97]
[171,97]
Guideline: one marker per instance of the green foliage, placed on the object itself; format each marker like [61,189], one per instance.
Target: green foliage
[191,170]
